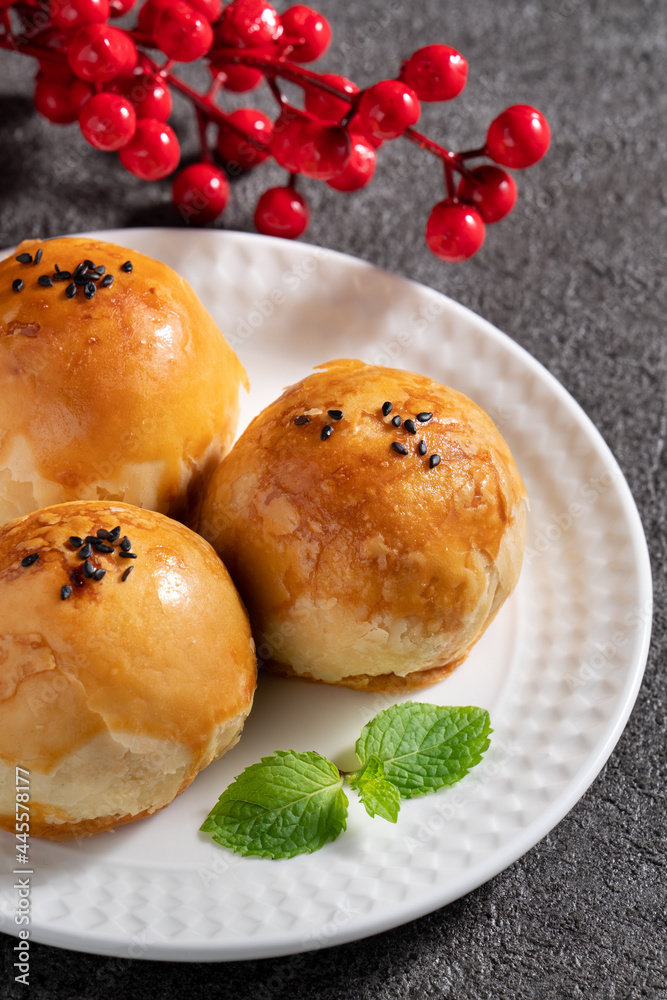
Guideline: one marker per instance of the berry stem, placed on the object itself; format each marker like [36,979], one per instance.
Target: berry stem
[215,88]
[14,44]
[202,122]
[280,98]
[205,105]
[454,160]
[449,181]
[470,154]
[278,67]
[432,147]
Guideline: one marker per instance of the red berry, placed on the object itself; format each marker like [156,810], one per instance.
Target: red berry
[75,13]
[284,140]
[211,9]
[435,73]
[307,32]
[387,108]
[108,121]
[51,63]
[79,92]
[360,168]
[493,197]
[153,153]
[454,231]
[98,53]
[356,125]
[53,101]
[182,33]
[150,95]
[325,106]
[50,69]
[238,151]
[200,193]
[248,23]
[518,137]
[322,151]
[282,211]
[149,13]
[240,79]
[119,7]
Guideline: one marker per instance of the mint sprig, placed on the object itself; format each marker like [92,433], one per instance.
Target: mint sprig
[293,802]
[425,747]
[290,803]
[378,796]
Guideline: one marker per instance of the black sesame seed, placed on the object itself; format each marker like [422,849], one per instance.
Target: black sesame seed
[423,417]
[80,279]
[88,569]
[61,276]
[400,448]
[57,269]
[24,258]
[93,539]
[127,573]
[103,533]
[45,280]
[396,421]
[38,256]
[103,547]
[126,544]
[421,448]
[387,408]
[127,555]
[65,592]
[100,269]
[80,268]
[92,276]
[301,420]
[327,431]
[86,552]
[106,281]
[114,534]
[75,541]
[98,574]
[127,266]
[89,263]
[89,289]
[410,426]
[70,291]
[29,560]
[335,414]
[17,285]
[433,461]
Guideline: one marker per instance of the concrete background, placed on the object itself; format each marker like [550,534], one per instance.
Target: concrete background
[577,276]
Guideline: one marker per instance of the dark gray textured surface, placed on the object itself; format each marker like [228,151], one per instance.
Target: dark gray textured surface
[577,276]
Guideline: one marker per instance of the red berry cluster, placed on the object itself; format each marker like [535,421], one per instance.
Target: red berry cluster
[103,77]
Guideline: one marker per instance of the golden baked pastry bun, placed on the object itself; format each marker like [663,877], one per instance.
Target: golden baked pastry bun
[368,554]
[130,394]
[115,689]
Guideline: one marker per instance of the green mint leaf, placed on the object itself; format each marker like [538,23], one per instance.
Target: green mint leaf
[291,803]
[379,796]
[424,747]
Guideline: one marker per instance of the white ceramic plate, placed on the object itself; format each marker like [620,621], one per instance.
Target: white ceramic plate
[558,671]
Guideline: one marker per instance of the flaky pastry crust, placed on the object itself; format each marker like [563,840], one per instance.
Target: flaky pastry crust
[130,395]
[115,692]
[360,564]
